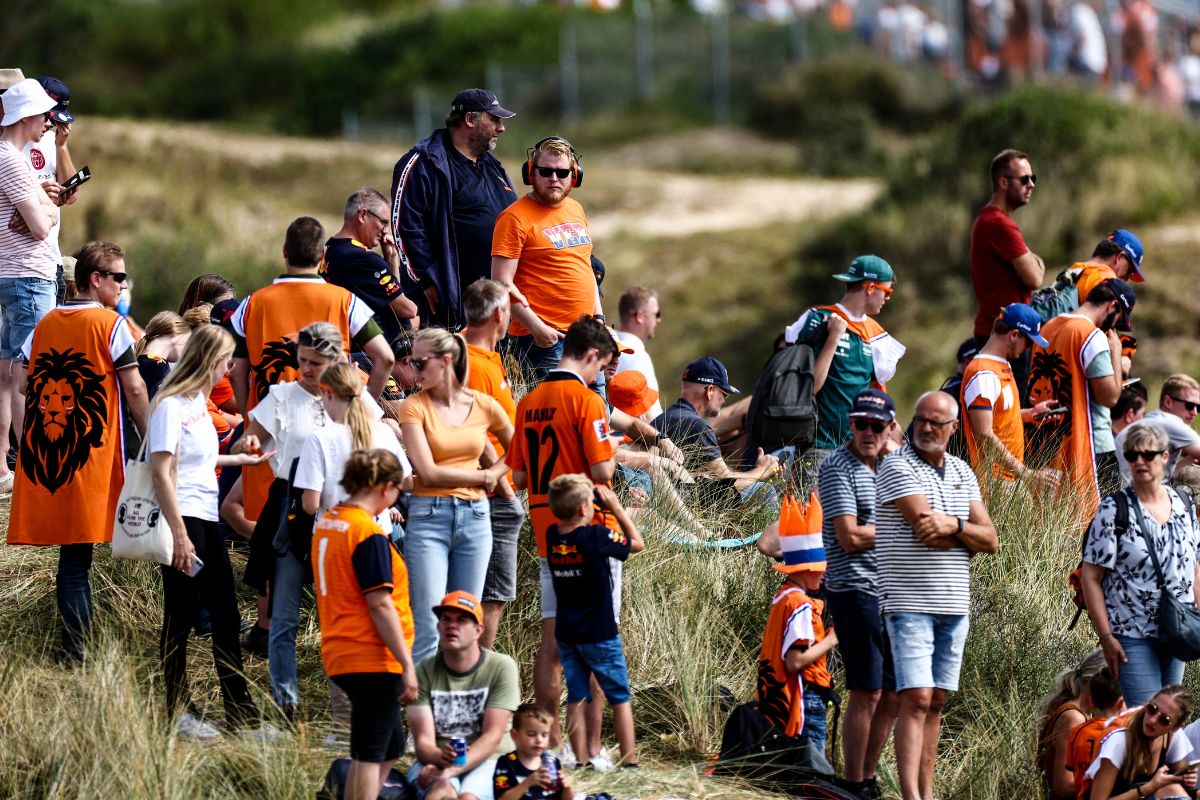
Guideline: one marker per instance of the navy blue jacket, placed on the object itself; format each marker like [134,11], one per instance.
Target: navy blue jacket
[423,224]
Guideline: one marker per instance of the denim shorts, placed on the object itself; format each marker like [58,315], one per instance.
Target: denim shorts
[927,649]
[605,660]
[550,602]
[500,583]
[24,302]
[477,782]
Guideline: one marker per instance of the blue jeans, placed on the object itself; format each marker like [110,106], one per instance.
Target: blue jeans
[532,358]
[286,590]
[814,718]
[1146,671]
[447,546]
[25,301]
[927,649]
[74,594]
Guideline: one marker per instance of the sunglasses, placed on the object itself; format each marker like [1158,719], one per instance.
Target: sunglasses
[1152,711]
[119,277]
[419,363]
[919,421]
[1190,406]
[866,424]
[316,342]
[1024,179]
[887,290]
[1143,455]
[561,174]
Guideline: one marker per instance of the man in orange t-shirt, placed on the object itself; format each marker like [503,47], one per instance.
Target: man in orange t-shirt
[486,308]
[994,419]
[541,251]
[562,428]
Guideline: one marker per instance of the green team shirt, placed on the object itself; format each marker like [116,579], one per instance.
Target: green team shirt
[459,699]
[852,370]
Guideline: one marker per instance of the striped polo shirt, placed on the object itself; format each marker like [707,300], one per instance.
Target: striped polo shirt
[846,487]
[912,576]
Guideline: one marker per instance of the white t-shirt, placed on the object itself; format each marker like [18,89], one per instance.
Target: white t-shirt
[323,460]
[183,423]
[289,414]
[43,158]
[1090,47]
[639,359]
[1112,749]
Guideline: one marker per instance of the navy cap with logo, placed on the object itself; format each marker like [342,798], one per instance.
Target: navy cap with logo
[1125,300]
[480,100]
[61,95]
[709,370]
[873,404]
[1025,319]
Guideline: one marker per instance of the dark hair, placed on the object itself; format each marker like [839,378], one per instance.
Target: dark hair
[588,333]
[1001,162]
[1100,294]
[367,468]
[1133,397]
[457,118]
[1000,327]
[204,288]
[482,299]
[1107,248]
[634,300]
[94,257]
[1105,690]
[304,242]
[402,345]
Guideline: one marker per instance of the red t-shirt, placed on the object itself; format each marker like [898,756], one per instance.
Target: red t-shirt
[995,243]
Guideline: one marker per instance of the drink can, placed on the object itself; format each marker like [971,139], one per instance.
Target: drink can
[459,743]
[550,766]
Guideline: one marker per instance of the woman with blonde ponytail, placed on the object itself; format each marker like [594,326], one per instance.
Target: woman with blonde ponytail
[448,540]
[1068,706]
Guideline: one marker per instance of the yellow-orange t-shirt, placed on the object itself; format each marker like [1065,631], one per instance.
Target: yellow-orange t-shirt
[562,429]
[350,558]
[554,260]
[988,385]
[459,446]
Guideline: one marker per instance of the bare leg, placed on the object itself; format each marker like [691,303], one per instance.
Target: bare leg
[882,723]
[623,728]
[910,740]
[577,729]
[493,611]
[364,779]
[594,719]
[860,708]
[547,679]
[11,404]
[933,729]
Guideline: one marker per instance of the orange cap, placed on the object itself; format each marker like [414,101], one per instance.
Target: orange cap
[462,601]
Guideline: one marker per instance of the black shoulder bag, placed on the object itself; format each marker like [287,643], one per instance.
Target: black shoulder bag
[1178,620]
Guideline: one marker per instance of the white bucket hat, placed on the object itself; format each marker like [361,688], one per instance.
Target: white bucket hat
[24,99]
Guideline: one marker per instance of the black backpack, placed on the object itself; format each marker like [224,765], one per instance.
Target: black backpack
[783,410]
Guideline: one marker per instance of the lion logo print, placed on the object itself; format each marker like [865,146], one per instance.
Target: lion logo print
[66,412]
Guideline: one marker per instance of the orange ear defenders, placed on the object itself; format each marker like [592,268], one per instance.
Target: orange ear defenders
[576,167]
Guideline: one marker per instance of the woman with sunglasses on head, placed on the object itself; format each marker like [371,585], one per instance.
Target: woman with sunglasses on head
[1142,760]
[448,539]
[1120,584]
[282,421]
[184,455]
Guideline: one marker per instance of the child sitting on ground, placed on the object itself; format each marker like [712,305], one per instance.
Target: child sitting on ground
[793,679]
[584,562]
[1108,715]
[521,774]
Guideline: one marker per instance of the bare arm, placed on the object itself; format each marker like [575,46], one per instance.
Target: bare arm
[403,307]
[39,213]
[382,361]
[233,511]
[239,378]
[601,471]
[1062,777]
[940,530]
[851,535]
[768,543]
[989,443]
[835,327]
[504,270]
[164,490]
[797,659]
[310,501]
[133,388]
[1030,269]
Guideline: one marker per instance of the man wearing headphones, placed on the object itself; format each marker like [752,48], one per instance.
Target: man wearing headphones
[542,251]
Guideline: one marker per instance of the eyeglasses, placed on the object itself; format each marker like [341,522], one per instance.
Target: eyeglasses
[419,363]
[1190,406]
[561,174]
[1143,455]
[1152,711]
[887,290]
[866,424]
[384,220]
[1024,179]
[939,424]
[119,277]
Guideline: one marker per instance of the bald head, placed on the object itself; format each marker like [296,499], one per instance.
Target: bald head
[934,421]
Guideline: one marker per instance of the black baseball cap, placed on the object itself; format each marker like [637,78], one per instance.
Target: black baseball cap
[1125,300]
[709,370]
[480,100]
[61,95]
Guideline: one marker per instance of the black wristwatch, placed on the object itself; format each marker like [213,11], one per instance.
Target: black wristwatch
[960,524]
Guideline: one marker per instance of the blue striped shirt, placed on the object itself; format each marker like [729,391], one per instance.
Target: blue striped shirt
[846,487]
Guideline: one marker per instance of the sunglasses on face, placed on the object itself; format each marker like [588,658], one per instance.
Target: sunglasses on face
[1153,712]
[1190,406]
[419,363]
[1142,455]
[1024,179]
[866,424]
[887,290]
[119,277]
[561,174]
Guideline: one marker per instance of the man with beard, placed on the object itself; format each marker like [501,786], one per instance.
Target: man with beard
[1081,369]
[929,520]
[1003,268]
[81,366]
[541,251]
[446,193]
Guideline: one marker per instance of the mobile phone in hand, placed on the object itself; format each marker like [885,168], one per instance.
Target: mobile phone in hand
[1186,768]
[78,179]
[197,565]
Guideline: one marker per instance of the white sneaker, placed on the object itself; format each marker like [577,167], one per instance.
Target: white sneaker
[566,756]
[6,484]
[192,727]
[264,733]
[602,761]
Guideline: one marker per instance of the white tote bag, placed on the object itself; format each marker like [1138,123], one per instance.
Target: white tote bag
[140,530]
